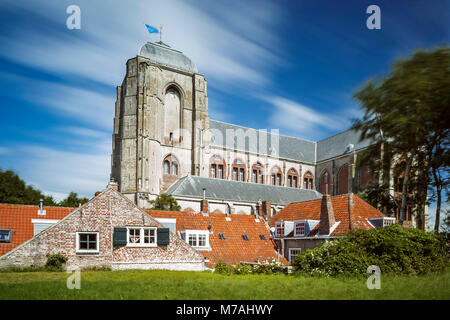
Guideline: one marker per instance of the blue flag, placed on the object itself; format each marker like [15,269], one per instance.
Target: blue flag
[151,29]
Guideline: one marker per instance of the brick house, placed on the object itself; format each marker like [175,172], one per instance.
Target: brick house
[305,225]
[230,238]
[109,230]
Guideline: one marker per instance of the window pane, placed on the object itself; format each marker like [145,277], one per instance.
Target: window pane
[135,235]
[174,168]
[295,182]
[201,240]
[166,167]
[235,173]
[213,170]
[254,176]
[193,240]
[241,174]
[149,236]
[220,176]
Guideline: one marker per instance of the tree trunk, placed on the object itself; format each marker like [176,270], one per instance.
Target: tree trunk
[438,203]
[405,189]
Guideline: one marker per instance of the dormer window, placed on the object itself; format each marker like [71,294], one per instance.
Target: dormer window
[198,239]
[300,228]
[279,229]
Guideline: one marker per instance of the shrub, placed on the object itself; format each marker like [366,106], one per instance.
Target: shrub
[268,267]
[55,262]
[97,268]
[396,250]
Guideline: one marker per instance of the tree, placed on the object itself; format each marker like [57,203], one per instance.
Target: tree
[14,190]
[406,111]
[72,200]
[165,202]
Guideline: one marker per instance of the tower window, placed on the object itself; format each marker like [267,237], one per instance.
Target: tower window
[170,165]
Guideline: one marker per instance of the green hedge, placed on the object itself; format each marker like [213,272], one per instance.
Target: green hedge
[245,268]
[396,250]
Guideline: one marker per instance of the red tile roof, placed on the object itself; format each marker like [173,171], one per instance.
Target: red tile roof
[310,210]
[234,248]
[18,218]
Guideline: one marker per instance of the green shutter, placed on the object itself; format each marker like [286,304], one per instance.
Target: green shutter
[162,236]
[120,236]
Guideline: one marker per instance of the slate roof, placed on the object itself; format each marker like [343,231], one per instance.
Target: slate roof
[289,147]
[233,249]
[161,53]
[354,217]
[262,141]
[229,190]
[337,145]
[18,218]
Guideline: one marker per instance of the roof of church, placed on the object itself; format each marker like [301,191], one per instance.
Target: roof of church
[289,147]
[161,53]
[229,190]
[338,145]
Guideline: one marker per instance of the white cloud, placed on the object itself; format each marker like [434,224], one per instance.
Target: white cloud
[60,172]
[302,121]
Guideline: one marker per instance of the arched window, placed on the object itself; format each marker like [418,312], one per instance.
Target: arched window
[238,170]
[308,180]
[276,176]
[292,177]
[365,176]
[217,167]
[342,183]
[324,184]
[170,165]
[172,111]
[258,173]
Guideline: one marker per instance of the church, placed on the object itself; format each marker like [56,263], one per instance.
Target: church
[165,142]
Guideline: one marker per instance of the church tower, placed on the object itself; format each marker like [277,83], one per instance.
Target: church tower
[161,114]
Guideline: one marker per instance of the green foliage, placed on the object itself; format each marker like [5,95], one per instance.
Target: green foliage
[165,202]
[396,250]
[97,268]
[405,112]
[72,200]
[268,267]
[55,262]
[14,190]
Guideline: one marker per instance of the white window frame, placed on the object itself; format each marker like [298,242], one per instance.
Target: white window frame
[295,228]
[196,233]
[291,255]
[141,243]
[78,250]
[279,226]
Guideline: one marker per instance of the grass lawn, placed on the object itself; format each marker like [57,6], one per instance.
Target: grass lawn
[156,284]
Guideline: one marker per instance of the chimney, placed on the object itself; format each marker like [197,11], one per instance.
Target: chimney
[327,219]
[113,185]
[204,208]
[258,211]
[41,211]
[266,209]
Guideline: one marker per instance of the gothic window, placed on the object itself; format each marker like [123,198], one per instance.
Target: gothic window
[258,172]
[217,165]
[172,112]
[276,176]
[170,165]
[308,179]
[292,177]
[324,185]
[342,182]
[238,170]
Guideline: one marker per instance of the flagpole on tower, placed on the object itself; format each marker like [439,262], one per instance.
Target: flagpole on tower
[160,33]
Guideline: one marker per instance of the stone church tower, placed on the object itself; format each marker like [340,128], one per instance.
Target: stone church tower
[161,113]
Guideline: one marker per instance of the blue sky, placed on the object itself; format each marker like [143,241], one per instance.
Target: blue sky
[287,65]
